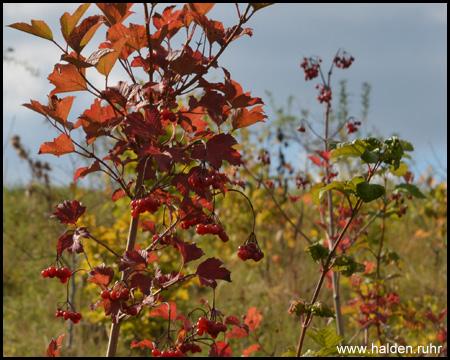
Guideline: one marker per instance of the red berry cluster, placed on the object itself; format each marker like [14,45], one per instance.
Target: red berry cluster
[167,353]
[264,158]
[74,316]
[206,180]
[344,61]
[213,229]
[250,251]
[300,182]
[193,348]
[210,327]
[63,274]
[301,129]
[142,205]
[311,68]
[325,94]
[168,115]
[123,294]
[189,223]
[352,127]
[167,240]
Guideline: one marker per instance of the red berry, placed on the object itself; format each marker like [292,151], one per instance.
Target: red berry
[51,272]
[113,295]
[44,273]
[105,294]
[156,352]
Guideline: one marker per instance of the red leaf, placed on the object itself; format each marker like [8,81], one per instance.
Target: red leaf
[37,28]
[143,282]
[250,350]
[82,172]
[133,258]
[115,12]
[200,8]
[72,242]
[117,194]
[83,33]
[164,310]
[211,270]
[148,225]
[67,78]
[220,349]
[218,148]
[54,346]
[243,117]
[59,111]
[237,332]
[144,344]
[190,252]
[442,315]
[68,213]
[61,145]
[315,160]
[101,276]
[106,63]
[253,318]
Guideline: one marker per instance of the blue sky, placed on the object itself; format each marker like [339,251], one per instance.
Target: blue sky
[400,49]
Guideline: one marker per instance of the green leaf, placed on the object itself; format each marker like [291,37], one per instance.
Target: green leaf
[317,251]
[411,189]
[340,186]
[321,309]
[347,265]
[326,338]
[37,28]
[407,146]
[291,352]
[315,192]
[369,192]
[401,171]
[355,148]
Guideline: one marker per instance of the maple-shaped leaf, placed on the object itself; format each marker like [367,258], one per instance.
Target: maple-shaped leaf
[54,346]
[68,22]
[68,212]
[148,225]
[250,350]
[82,172]
[200,8]
[190,252]
[37,28]
[67,78]
[59,146]
[218,149]
[114,309]
[239,330]
[72,242]
[101,275]
[59,110]
[213,29]
[133,258]
[253,318]
[83,33]
[143,282]
[144,344]
[106,63]
[243,117]
[220,349]
[167,310]
[210,270]
[115,12]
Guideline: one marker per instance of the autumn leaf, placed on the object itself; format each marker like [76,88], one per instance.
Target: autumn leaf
[54,346]
[83,33]
[69,212]
[37,28]
[68,22]
[115,12]
[133,258]
[61,145]
[144,344]
[220,349]
[82,172]
[244,117]
[253,318]
[106,63]
[67,78]
[250,350]
[167,310]
[72,242]
[210,270]
[101,275]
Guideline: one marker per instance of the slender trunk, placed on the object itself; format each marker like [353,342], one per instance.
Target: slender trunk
[115,328]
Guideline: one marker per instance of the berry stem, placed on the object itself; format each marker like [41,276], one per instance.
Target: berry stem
[251,205]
